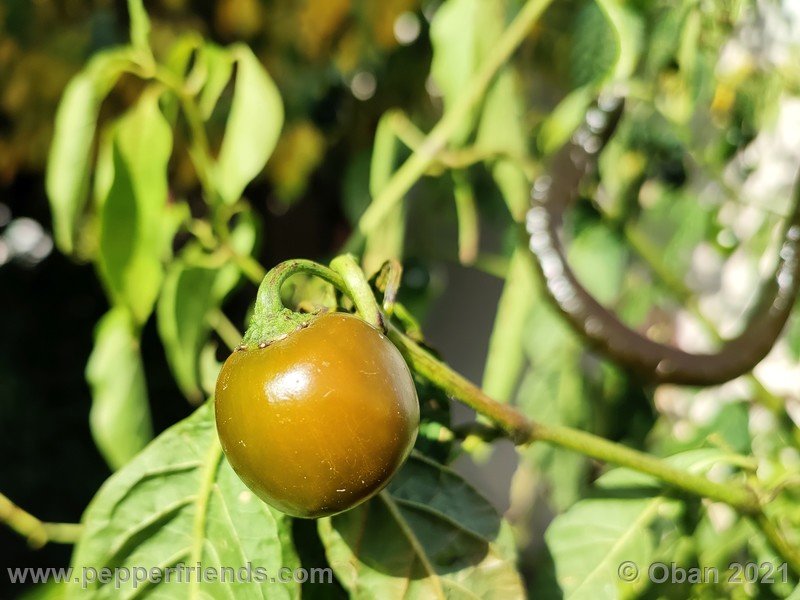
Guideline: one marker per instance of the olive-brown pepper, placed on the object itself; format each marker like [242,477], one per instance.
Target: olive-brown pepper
[320,421]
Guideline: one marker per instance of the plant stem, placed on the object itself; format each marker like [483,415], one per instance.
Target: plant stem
[250,267]
[778,542]
[416,165]
[269,292]
[514,423]
[523,431]
[467,216]
[458,158]
[38,533]
[199,147]
[358,289]
[226,330]
[738,496]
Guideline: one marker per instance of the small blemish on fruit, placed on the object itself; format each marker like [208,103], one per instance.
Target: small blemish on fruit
[245,496]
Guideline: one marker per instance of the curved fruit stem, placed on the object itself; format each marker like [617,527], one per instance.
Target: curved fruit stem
[272,320]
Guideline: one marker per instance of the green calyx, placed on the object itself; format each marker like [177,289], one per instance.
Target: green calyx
[266,328]
[273,321]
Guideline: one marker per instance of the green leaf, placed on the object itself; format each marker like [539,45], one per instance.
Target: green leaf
[502,129]
[194,288]
[68,165]
[506,357]
[120,414]
[132,240]
[599,259]
[385,241]
[384,153]
[140,26]
[183,321]
[462,33]
[428,535]
[179,502]
[594,48]
[44,591]
[564,119]
[729,427]
[556,389]
[209,368]
[793,334]
[253,126]
[595,536]
[554,392]
[243,240]
[627,28]
[218,64]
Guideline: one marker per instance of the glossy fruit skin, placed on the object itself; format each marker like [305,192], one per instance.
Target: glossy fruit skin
[320,421]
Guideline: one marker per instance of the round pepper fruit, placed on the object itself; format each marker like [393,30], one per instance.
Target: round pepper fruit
[319,421]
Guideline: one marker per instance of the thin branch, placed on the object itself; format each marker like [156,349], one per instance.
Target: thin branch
[37,532]
[438,138]
[523,431]
[225,329]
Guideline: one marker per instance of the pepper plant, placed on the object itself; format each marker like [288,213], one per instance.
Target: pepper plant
[567,345]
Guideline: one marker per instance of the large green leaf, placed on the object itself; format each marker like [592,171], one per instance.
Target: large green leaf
[555,389]
[120,414]
[428,535]
[68,169]
[555,392]
[179,502]
[462,33]
[592,542]
[628,28]
[132,240]
[253,126]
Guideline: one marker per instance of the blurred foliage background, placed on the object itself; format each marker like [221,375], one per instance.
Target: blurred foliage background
[696,180]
